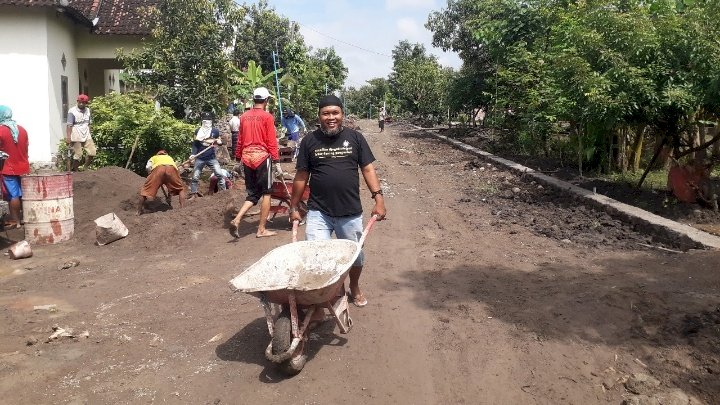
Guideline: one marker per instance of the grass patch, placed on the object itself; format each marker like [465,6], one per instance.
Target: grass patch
[655,180]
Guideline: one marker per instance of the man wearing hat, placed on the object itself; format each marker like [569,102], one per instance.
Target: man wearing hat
[78,135]
[203,152]
[331,155]
[162,172]
[257,148]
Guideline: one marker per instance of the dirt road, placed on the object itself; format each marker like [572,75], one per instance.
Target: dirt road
[482,289]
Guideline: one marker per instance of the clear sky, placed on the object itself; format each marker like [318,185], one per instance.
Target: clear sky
[374,25]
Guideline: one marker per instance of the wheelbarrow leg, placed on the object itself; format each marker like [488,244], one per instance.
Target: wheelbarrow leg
[341,312]
[268,313]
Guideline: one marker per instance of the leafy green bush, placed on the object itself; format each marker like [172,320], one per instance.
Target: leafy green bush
[120,119]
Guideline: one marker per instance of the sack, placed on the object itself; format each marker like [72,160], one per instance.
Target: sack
[20,250]
[109,229]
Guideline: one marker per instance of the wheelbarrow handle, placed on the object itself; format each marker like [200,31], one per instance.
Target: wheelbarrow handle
[368,227]
[365,233]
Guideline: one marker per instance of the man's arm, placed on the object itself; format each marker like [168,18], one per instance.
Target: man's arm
[68,128]
[373,184]
[299,184]
[302,123]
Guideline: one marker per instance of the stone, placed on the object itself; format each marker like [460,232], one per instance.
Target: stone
[641,400]
[641,384]
[516,190]
[674,397]
[31,340]
[609,383]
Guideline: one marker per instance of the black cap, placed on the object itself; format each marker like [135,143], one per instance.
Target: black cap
[206,116]
[329,100]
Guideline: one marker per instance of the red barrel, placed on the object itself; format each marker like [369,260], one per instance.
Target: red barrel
[48,207]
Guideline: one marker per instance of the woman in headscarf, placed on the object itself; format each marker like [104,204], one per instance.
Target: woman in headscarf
[14,143]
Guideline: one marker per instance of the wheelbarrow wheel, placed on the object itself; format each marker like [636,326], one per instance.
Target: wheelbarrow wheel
[281,341]
[282,334]
[293,365]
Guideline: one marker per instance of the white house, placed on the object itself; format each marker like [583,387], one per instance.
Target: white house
[53,50]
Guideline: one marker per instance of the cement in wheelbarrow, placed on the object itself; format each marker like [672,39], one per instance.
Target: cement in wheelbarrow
[299,266]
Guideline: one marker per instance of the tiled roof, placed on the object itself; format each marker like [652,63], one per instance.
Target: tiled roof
[115,17]
[123,17]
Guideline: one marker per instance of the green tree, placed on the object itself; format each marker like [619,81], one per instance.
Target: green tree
[418,81]
[184,63]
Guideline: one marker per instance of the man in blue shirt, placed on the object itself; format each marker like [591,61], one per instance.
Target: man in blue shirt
[292,122]
[205,136]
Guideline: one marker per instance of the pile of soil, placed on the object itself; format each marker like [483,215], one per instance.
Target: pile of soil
[96,193]
[114,189]
[658,201]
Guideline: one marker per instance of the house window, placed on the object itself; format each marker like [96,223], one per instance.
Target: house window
[64,96]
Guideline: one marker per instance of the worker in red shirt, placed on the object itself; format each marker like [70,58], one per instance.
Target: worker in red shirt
[257,148]
[14,142]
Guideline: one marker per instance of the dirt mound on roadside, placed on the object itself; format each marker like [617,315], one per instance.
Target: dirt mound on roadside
[114,189]
[96,193]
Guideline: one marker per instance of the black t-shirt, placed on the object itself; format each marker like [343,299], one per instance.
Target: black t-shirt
[333,164]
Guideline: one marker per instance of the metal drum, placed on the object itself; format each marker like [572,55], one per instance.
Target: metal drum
[48,207]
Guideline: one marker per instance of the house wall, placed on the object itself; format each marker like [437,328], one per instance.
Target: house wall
[24,72]
[60,40]
[104,46]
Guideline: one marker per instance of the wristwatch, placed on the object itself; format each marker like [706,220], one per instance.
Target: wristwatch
[291,210]
[374,193]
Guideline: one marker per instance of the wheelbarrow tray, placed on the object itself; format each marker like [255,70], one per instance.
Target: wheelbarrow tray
[311,270]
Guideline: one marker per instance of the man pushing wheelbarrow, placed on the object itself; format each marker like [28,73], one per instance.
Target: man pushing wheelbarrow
[331,155]
[307,277]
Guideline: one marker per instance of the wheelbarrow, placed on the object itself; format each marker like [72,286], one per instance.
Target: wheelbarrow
[300,278]
[280,193]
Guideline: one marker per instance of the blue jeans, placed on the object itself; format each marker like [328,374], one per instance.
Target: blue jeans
[214,165]
[320,227]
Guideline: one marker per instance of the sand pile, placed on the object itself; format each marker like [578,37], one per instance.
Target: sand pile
[114,189]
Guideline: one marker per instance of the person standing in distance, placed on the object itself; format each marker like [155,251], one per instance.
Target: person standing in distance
[381,118]
[331,156]
[77,135]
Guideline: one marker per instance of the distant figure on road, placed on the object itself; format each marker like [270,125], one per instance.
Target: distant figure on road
[257,149]
[78,135]
[14,142]
[163,171]
[332,155]
[381,118]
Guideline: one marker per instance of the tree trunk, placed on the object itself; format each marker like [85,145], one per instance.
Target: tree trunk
[621,157]
[609,159]
[638,146]
[700,155]
[664,157]
[658,152]
[578,133]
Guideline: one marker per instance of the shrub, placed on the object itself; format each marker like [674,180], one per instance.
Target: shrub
[120,119]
